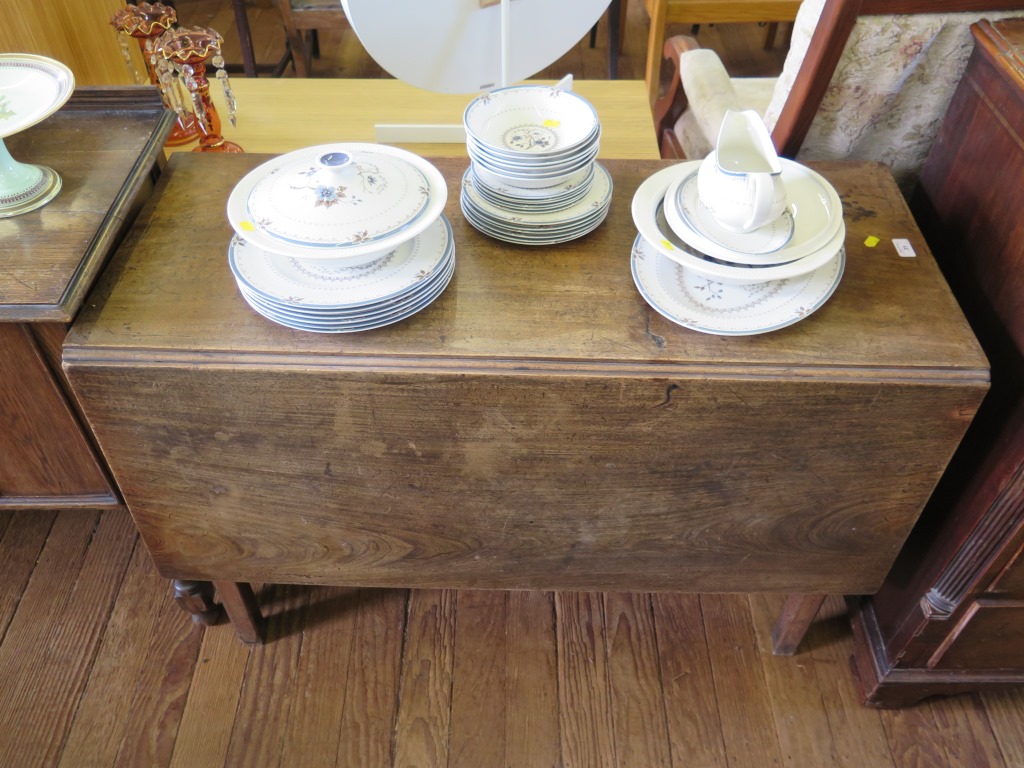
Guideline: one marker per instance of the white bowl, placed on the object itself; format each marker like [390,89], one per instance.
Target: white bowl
[498,179]
[650,196]
[499,185]
[476,147]
[544,171]
[530,119]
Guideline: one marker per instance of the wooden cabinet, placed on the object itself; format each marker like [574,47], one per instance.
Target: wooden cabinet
[539,426]
[950,617]
[107,146]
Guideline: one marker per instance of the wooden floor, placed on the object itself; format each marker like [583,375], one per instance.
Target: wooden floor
[98,667]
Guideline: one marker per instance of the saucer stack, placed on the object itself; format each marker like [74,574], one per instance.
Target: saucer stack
[702,276]
[341,237]
[533,179]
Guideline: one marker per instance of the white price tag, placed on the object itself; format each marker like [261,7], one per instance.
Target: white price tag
[904,248]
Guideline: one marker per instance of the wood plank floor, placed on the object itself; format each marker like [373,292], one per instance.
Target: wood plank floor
[98,667]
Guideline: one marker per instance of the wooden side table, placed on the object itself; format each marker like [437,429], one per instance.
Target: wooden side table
[950,618]
[537,427]
[107,144]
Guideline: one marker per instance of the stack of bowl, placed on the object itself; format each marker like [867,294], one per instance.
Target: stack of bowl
[708,277]
[341,237]
[533,179]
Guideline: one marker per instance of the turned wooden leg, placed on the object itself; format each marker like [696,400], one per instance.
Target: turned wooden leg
[239,601]
[196,599]
[797,615]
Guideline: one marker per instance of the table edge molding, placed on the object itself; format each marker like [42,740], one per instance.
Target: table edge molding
[109,357]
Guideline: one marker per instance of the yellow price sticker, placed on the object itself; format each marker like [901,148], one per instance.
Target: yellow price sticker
[872,241]
[552,123]
[247,226]
[668,245]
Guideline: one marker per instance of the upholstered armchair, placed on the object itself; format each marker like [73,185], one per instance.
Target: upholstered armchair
[863,79]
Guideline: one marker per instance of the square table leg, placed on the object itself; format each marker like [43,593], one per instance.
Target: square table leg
[240,603]
[797,614]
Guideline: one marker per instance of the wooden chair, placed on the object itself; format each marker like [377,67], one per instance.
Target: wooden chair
[872,82]
[696,12]
[302,19]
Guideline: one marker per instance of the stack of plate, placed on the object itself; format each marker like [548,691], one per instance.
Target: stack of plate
[702,276]
[533,179]
[341,237]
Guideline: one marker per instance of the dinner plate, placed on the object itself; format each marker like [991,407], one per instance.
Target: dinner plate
[337,284]
[333,319]
[353,327]
[394,303]
[695,301]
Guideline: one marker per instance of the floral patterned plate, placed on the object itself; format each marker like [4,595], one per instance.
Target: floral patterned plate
[387,312]
[704,304]
[332,285]
[337,201]
[368,323]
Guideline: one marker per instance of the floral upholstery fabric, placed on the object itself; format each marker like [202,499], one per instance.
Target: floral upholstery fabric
[890,90]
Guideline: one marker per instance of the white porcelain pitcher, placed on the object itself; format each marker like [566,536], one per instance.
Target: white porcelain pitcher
[740,183]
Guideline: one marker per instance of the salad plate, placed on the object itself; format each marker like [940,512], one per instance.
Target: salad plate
[336,285]
[597,196]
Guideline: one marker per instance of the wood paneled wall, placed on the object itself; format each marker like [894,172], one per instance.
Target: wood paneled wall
[75,32]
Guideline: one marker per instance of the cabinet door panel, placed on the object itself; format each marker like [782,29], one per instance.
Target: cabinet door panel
[1011,581]
[45,459]
[989,637]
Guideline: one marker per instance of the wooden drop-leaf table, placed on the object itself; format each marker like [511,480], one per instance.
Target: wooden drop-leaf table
[538,427]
